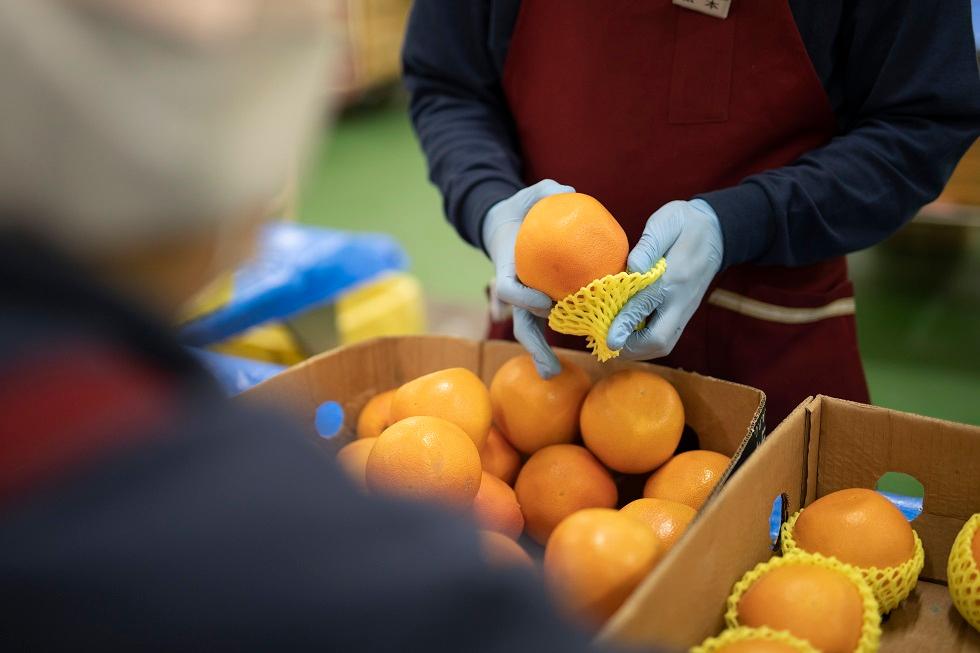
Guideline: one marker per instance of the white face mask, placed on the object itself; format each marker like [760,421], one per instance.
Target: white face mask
[129,120]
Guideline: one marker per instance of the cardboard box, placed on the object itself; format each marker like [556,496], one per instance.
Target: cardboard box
[825,445]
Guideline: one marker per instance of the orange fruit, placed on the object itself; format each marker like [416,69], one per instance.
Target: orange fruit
[353,457]
[375,417]
[856,526]
[501,551]
[668,519]
[595,559]
[496,509]
[818,604]
[457,395]
[632,421]
[567,241]
[425,458]
[687,478]
[499,458]
[557,481]
[758,646]
[534,412]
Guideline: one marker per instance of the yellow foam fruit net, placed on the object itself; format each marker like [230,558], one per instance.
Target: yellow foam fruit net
[590,310]
[871,627]
[963,573]
[890,585]
[744,633]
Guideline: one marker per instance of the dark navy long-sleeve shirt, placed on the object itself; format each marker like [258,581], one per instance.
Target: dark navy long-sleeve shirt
[901,76]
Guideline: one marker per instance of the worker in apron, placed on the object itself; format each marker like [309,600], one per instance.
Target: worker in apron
[753,143]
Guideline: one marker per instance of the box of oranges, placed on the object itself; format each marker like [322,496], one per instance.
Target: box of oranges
[848,563]
[619,452]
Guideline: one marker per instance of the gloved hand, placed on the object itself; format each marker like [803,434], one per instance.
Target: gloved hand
[530,306]
[689,236]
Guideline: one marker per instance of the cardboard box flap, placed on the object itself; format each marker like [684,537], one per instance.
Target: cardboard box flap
[943,456]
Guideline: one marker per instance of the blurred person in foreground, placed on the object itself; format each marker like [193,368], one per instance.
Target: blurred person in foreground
[140,144]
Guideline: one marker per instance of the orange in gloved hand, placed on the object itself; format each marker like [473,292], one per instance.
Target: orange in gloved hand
[595,559]
[457,395]
[857,526]
[668,519]
[353,457]
[426,459]
[632,421]
[688,477]
[533,412]
[557,481]
[566,241]
[499,457]
[375,417]
[496,509]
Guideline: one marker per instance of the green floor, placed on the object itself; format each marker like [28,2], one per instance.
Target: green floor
[918,296]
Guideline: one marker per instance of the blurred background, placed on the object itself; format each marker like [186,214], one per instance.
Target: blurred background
[918,294]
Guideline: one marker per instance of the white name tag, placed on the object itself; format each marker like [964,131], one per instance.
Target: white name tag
[716,8]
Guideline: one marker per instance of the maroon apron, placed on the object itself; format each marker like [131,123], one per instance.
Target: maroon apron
[640,102]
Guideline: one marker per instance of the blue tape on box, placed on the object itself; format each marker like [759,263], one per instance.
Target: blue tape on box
[297,268]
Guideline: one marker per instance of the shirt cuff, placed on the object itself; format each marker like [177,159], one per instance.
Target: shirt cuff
[476,204]
[747,222]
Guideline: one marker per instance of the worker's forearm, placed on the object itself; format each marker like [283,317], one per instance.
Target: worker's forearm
[458,110]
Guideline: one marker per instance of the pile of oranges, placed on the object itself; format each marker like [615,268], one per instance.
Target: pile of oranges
[545,462]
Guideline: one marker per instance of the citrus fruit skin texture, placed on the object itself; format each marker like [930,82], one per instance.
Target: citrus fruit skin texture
[499,458]
[353,457]
[533,412]
[817,604]
[758,646]
[456,394]
[687,478]
[375,417]
[668,519]
[857,526]
[501,551]
[595,559]
[632,421]
[426,459]
[558,481]
[496,509]
[567,241]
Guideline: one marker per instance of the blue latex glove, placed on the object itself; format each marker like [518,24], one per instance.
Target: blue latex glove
[530,307]
[689,236]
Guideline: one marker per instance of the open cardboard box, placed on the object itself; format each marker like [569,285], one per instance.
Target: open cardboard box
[825,445]
[727,417]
